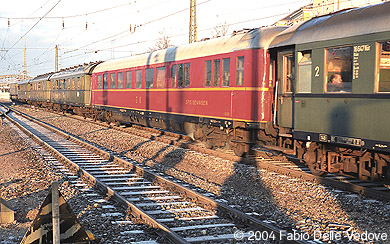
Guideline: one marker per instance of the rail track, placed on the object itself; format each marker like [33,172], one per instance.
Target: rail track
[179,214]
[263,158]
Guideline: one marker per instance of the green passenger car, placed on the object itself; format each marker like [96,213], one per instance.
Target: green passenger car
[71,88]
[334,90]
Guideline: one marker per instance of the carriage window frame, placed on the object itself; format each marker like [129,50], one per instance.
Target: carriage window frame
[240,70]
[382,65]
[174,75]
[138,79]
[161,77]
[149,78]
[305,65]
[78,79]
[225,72]
[345,74]
[98,82]
[216,72]
[288,72]
[111,80]
[187,74]
[208,72]
[105,81]
[180,75]
[129,79]
[120,80]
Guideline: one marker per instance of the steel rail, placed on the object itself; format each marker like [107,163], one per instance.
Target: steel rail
[137,213]
[347,186]
[208,203]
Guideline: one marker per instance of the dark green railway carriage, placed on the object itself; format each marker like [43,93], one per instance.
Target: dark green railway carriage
[71,89]
[334,90]
[40,90]
[24,88]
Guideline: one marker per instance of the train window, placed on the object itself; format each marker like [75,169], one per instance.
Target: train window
[105,81]
[187,74]
[217,72]
[112,80]
[225,71]
[69,83]
[99,82]
[129,79]
[384,67]
[160,77]
[78,83]
[149,78]
[120,80]
[180,72]
[138,79]
[173,75]
[288,72]
[82,82]
[240,71]
[304,72]
[339,69]
[73,85]
[207,76]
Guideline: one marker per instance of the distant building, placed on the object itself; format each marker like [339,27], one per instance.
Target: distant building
[302,14]
[323,7]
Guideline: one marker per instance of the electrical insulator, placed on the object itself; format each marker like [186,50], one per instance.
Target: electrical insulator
[130,28]
[9,23]
[86,25]
[63,24]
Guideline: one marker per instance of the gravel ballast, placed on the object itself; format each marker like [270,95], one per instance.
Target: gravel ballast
[292,204]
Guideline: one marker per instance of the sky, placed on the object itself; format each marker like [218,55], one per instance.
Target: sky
[94,30]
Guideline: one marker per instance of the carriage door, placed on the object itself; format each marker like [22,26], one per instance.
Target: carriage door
[285,90]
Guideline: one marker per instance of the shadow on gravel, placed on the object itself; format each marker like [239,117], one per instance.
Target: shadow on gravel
[123,153]
[26,207]
[6,184]
[290,204]
[10,153]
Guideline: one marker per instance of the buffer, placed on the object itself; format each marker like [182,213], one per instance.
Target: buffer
[56,212]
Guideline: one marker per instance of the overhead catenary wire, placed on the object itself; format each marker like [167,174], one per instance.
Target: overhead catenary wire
[25,34]
[98,45]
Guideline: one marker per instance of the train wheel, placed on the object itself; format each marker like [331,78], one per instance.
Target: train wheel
[239,149]
[310,158]
[315,171]
[208,144]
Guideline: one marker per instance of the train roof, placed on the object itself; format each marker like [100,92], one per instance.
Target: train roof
[43,77]
[75,71]
[256,38]
[23,81]
[346,23]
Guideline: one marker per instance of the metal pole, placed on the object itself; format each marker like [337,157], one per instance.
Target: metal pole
[56,60]
[55,199]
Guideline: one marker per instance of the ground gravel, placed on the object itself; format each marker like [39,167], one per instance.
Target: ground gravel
[289,203]
[25,179]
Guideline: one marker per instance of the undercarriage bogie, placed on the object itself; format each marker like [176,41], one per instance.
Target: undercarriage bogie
[325,158]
